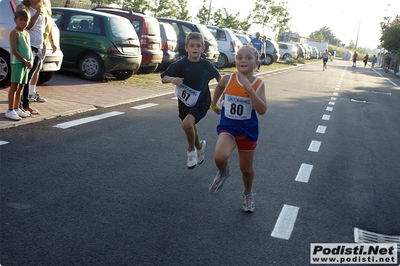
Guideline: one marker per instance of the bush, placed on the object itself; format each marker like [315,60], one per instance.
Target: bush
[301,60]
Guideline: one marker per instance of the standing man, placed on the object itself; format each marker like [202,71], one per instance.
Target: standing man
[258,44]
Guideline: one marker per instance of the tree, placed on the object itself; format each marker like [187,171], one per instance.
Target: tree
[202,14]
[183,12]
[268,12]
[390,38]
[137,5]
[163,8]
[323,34]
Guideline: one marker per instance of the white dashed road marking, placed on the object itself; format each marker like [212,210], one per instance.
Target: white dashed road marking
[2,142]
[303,175]
[321,129]
[326,117]
[143,106]
[314,146]
[285,223]
[87,120]
[329,109]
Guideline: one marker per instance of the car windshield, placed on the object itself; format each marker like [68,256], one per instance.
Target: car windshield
[205,32]
[121,28]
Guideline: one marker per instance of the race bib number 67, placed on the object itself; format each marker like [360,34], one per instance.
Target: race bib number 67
[187,95]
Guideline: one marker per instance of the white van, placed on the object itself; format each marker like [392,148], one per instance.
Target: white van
[52,61]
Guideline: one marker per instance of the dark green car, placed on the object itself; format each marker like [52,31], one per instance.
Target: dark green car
[95,43]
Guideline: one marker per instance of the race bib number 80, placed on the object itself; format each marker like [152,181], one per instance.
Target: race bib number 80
[238,108]
[187,95]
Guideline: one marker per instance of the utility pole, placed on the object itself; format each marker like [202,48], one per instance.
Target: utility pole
[209,11]
[358,32]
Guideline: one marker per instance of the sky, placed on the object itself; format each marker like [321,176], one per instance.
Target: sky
[347,19]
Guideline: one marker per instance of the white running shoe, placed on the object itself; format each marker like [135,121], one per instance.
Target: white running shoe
[11,114]
[248,205]
[201,152]
[22,113]
[192,159]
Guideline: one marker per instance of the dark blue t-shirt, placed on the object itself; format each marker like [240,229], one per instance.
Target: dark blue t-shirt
[196,75]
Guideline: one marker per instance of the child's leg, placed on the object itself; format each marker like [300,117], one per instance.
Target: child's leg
[18,95]
[188,125]
[223,149]
[246,167]
[12,100]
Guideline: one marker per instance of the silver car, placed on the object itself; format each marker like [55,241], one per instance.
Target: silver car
[228,45]
[52,61]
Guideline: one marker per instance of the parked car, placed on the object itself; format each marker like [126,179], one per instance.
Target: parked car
[182,28]
[95,43]
[169,44]
[243,38]
[287,50]
[301,52]
[271,52]
[228,45]
[52,61]
[307,50]
[314,52]
[148,30]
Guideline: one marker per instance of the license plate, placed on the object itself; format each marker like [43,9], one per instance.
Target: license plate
[130,50]
[49,67]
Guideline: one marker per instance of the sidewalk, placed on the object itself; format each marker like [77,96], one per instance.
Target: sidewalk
[69,95]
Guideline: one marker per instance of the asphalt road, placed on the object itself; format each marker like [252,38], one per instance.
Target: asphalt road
[90,190]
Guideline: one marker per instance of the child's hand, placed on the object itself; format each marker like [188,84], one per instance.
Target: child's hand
[245,82]
[176,81]
[28,64]
[38,7]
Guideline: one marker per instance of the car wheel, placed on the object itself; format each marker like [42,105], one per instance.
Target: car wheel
[91,67]
[5,69]
[287,56]
[268,60]
[222,61]
[45,76]
[148,70]
[122,74]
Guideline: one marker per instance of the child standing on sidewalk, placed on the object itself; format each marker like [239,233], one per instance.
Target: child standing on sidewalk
[20,60]
[244,95]
[191,76]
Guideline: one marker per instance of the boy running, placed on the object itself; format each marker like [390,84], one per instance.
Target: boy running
[191,76]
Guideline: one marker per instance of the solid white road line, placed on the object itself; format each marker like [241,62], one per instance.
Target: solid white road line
[314,146]
[326,117]
[321,129]
[143,106]
[285,223]
[303,175]
[2,142]
[87,120]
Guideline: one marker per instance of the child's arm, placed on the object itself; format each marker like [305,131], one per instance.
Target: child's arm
[13,41]
[173,80]
[219,89]
[258,98]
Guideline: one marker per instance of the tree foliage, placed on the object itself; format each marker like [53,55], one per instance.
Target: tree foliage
[272,14]
[323,34]
[390,38]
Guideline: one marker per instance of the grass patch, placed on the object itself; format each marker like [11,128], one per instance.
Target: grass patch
[153,80]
